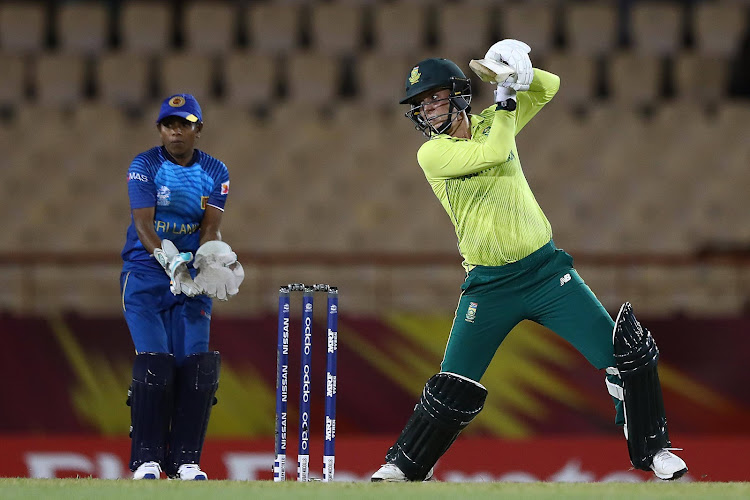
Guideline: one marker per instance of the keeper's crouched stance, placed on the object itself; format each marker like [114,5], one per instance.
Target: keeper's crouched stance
[514,272]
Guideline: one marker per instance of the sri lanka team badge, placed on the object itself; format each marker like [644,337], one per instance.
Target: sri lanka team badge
[471,313]
[415,75]
[177,101]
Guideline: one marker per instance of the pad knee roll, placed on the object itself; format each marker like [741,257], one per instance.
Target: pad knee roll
[448,403]
[636,358]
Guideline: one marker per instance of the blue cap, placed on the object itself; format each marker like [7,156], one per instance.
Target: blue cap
[182,105]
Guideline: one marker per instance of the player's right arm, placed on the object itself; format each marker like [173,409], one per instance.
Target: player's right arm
[142,195]
[143,220]
[445,157]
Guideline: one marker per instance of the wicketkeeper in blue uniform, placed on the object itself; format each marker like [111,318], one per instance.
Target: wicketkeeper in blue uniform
[177,196]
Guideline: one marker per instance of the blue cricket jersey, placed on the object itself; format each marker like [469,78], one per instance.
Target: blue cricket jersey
[180,196]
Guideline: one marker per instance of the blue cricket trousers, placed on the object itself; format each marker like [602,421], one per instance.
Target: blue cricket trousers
[160,321]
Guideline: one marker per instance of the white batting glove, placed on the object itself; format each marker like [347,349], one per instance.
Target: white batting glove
[175,265]
[219,272]
[515,54]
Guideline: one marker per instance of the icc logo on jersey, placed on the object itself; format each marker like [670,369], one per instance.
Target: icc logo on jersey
[162,196]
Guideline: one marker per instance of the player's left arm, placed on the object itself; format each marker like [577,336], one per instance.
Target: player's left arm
[219,272]
[542,89]
[211,224]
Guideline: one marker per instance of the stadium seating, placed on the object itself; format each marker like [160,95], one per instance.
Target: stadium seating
[145,26]
[186,72]
[250,78]
[463,29]
[657,29]
[273,27]
[23,27]
[532,22]
[59,79]
[718,28]
[399,28]
[115,90]
[635,79]
[210,27]
[11,79]
[83,27]
[591,27]
[336,29]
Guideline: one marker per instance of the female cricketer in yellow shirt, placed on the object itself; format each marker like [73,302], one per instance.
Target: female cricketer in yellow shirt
[514,271]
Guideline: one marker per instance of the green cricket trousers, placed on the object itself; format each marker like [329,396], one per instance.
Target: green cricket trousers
[542,287]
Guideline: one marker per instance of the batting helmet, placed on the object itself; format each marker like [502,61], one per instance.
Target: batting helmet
[434,74]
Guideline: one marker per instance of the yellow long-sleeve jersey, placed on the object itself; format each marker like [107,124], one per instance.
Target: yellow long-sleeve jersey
[480,183]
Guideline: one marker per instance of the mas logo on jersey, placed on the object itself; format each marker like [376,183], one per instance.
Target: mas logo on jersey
[471,313]
[163,195]
[136,176]
[415,75]
[225,187]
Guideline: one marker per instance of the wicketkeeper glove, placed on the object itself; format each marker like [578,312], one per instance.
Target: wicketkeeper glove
[175,265]
[515,54]
[219,272]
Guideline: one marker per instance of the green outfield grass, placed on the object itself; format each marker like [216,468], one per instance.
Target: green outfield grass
[81,489]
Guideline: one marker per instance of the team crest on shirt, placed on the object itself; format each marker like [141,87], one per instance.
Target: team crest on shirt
[471,313]
[163,195]
[415,75]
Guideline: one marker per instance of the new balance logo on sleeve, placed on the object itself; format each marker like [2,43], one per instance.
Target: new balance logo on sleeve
[565,279]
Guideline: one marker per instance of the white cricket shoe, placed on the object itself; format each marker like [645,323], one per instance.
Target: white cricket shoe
[392,474]
[666,465]
[148,470]
[191,472]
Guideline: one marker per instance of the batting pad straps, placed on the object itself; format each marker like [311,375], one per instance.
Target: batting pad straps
[614,383]
[448,403]
[636,357]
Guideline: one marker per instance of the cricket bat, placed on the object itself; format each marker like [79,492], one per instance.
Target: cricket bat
[491,71]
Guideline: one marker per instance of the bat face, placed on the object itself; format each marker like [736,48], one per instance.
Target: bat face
[491,71]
